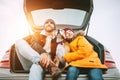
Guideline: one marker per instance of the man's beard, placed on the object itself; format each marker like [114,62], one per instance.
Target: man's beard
[49,29]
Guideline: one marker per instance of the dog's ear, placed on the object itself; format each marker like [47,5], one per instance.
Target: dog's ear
[60,36]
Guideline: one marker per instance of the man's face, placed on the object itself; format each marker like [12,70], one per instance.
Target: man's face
[69,34]
[49,26]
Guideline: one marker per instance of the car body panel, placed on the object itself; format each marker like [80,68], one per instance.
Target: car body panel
[57,4]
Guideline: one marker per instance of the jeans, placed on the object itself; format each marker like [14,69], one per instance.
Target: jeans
[93,74]
[29,59]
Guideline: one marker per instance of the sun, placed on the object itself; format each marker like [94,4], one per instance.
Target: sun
[14,27]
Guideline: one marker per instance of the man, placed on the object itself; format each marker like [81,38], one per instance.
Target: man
[36,55]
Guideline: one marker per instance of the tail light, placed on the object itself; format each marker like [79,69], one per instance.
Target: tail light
[109,61]
[5,62]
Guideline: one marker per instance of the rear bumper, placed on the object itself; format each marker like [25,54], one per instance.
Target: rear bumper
[5,74]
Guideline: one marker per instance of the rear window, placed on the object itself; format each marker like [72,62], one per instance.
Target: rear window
[60,16]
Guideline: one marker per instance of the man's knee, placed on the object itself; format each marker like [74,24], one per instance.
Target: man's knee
[36,68]
[36,72]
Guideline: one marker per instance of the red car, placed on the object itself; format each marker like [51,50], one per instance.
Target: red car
[66,13]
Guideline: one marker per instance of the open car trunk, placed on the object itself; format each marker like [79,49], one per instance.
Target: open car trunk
[57,5]
[32,5]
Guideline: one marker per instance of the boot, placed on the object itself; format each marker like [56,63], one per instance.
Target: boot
[54,71]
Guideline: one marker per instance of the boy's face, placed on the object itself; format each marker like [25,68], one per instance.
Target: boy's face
[69,34]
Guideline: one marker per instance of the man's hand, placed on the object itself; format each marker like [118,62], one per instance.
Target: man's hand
[56,60]
[45,60]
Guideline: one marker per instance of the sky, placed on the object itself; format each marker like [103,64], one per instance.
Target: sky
[104,25]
